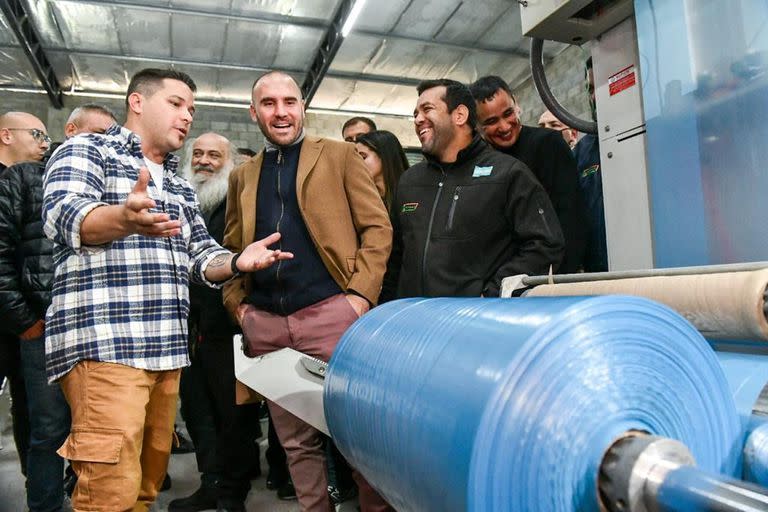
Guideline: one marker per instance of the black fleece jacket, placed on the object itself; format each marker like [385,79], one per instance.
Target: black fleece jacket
[460,228]
[26,262]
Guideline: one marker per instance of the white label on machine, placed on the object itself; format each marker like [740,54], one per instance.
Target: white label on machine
[282,378]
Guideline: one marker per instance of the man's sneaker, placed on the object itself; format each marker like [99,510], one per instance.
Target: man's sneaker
[286,491]
[202,499]
[180,443]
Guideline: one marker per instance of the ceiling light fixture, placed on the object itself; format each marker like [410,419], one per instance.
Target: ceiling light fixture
[352,18]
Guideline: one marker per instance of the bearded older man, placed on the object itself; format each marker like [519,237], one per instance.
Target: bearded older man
[225,447]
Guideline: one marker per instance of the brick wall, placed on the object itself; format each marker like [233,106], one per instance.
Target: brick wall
[565,74]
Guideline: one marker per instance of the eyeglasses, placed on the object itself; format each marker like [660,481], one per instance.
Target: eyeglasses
[38,135]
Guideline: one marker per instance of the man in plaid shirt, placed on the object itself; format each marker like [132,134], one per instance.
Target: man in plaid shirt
[128,237]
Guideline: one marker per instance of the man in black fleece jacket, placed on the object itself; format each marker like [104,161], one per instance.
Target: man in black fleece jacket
[467,216]
[545,153]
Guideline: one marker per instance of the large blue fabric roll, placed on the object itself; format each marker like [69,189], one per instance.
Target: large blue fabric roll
[509,404]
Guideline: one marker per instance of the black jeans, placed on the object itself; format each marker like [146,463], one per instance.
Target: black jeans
[10,367]
[223,432]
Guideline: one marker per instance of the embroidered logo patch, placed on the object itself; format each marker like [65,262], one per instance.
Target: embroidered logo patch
[482,171]
[589,171]
[409,207]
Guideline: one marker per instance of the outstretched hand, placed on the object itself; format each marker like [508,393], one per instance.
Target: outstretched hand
[137,217]
[257,256]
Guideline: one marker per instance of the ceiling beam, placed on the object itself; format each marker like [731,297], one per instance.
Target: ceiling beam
[272,18]
[18,18]
[364,77]
[325,53]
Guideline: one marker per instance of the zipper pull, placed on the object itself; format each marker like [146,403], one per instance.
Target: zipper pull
[279,156]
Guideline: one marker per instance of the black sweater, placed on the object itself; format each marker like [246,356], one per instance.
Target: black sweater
[460,228]
[208,318]
[550,159]
[288,285]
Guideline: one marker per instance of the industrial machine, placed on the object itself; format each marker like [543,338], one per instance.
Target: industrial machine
[568,402]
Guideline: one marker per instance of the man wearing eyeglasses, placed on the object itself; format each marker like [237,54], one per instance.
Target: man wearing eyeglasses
[23,138]
[18,143]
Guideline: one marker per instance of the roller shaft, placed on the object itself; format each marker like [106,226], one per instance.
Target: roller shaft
[687,488]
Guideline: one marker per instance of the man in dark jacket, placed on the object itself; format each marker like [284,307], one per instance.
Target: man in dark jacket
[26,274]
[544,152]
[467,216]
[221,430]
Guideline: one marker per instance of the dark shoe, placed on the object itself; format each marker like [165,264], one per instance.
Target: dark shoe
[286,492]
[275,480]
[180,443]
[202,499]
[166,483]
[339,496]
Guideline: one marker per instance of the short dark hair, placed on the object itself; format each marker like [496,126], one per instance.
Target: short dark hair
[147,81]
[485,88]
[359,119]
[456,93]
[393,159]
[246,152]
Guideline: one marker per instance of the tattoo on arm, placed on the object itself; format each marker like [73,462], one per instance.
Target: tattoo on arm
[219,261]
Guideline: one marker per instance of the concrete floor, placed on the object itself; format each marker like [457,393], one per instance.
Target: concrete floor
[182,468]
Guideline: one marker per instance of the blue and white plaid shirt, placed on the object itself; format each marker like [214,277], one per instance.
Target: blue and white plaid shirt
[126,301]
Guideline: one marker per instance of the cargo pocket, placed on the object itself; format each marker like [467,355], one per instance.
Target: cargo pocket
[93,445]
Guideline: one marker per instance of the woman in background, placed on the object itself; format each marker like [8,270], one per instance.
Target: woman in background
[385,159]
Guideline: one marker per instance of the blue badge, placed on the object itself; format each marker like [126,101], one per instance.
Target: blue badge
[482,171]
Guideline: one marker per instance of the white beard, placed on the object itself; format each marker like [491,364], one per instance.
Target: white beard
[211,190]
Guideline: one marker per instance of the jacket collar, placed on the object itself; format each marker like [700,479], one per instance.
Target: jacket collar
[468,153]
[270,146]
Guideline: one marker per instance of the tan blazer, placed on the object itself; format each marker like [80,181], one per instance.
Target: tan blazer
[342,210]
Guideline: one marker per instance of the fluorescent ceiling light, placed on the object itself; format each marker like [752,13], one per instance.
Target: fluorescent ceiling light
[352,18]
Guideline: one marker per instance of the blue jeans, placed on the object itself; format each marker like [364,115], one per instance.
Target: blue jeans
[49,425]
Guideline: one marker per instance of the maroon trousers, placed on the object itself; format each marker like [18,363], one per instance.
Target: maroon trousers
[315,331]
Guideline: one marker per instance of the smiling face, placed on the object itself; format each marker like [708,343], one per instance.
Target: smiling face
[499,121]
[433,123]
[278,109]
[209,154]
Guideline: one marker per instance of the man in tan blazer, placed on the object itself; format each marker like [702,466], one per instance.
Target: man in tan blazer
[317,194]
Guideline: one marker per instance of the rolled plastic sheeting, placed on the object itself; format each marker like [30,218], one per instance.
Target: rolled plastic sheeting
[728,306]
[756,456]
[509,405]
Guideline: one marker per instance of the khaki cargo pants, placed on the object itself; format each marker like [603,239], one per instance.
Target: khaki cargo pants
[122,426]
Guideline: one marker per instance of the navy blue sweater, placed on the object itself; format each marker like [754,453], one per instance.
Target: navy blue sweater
[289,285]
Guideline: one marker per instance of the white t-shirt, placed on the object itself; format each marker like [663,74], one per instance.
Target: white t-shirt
[156,170]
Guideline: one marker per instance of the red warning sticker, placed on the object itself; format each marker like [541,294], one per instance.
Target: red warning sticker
[624,79]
